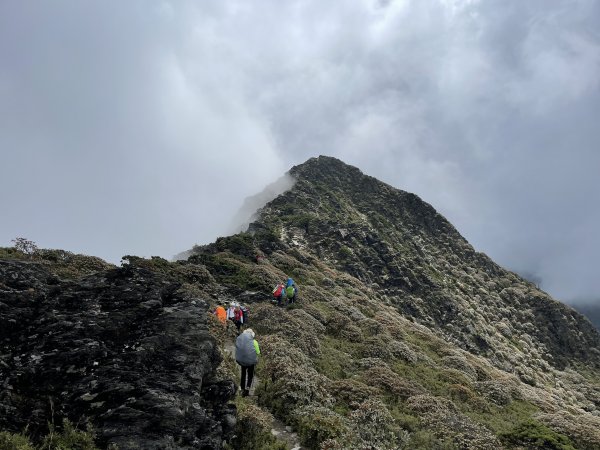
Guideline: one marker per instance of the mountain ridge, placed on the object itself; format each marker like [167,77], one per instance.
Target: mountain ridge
[415,216]
[403,336]
[388,246]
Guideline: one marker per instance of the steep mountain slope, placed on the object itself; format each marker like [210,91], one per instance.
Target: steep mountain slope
[395,241]
[402,323]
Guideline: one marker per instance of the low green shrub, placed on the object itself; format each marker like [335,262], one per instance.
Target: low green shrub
[405,421]
[333,363]
[345,253]
[501,419]
[240,244]
[13,441]
[425,440]
[302,221]
[253,430]
[316,424]
[12,253]
[533,434]
[66,437]
[230,272]
[69,438]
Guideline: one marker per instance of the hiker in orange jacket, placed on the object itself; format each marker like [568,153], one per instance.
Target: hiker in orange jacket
[221,314]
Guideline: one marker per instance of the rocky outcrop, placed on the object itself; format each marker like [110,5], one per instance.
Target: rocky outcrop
[124,349]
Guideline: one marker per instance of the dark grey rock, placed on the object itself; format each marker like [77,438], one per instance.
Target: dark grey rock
[123,349]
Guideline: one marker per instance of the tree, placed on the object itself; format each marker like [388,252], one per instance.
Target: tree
[25,246]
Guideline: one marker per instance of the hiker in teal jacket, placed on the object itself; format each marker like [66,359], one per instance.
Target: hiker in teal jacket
[246,355]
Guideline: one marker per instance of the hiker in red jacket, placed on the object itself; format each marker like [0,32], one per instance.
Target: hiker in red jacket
[238,317]
[279,293]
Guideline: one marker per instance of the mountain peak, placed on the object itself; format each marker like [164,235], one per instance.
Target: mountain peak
[335,174]
[324,166]
[397,244]
[335,195]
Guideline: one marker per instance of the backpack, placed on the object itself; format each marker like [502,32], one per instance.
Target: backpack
[290,291]
[237,316]
[277,291]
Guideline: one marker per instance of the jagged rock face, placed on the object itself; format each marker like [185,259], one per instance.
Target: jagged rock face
[396,243]
[122,348]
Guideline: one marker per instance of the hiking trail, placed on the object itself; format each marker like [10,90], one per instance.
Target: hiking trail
[279,429]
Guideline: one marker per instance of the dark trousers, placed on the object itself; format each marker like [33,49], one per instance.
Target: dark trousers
[247,375]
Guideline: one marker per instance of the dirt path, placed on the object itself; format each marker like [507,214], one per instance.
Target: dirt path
[279,429]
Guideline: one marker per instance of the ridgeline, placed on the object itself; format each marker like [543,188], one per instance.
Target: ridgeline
[403,336]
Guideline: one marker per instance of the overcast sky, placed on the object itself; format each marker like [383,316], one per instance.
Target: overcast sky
[139,127]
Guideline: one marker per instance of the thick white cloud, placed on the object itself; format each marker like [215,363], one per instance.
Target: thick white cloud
[140,127]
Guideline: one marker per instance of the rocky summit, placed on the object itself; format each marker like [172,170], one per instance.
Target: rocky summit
[402,337]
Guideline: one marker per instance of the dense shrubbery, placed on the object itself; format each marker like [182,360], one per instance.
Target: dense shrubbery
[316,424]
[13,441]
[374,427]
[289,379]
[253,429]
[231,272]
[239,244]
[60,262]
[498,392]
[11,253]
[583,430]
[533,434]
[351,392]
[390,384]
[181,271]
[68,437]
[313,367]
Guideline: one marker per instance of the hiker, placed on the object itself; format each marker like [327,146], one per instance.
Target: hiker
[238,317]
[279,293]
[230,311]
[221,314]
[291,290]
[247,352]
[244,314]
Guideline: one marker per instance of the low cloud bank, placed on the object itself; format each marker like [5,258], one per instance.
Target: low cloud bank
[249,210]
